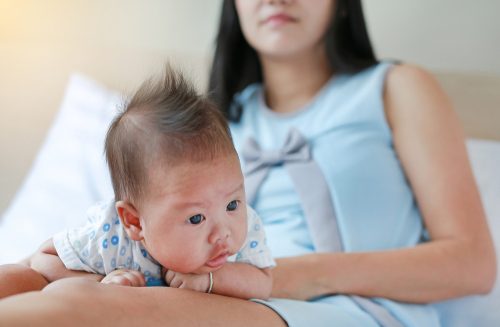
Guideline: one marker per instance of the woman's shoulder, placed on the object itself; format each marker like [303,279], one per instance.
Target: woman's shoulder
[402,76]
[411,91]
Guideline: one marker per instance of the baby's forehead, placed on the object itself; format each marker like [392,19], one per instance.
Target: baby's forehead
[166,177]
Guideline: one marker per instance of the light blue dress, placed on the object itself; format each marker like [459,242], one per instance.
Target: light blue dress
[351,141]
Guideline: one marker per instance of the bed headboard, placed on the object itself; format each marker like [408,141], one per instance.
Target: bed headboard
[477,101]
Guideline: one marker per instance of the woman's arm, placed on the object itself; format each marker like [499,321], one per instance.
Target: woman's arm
[460,259]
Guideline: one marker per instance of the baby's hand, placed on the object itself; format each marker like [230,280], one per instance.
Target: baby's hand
[192,282]
[125,277]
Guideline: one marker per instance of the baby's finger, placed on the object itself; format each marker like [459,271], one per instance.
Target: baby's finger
[163,272]
[118,280]
[169,276]
[176,282]
[136,280]
[138,277]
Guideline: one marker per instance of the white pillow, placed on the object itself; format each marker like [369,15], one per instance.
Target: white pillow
[481,311]
[68,175]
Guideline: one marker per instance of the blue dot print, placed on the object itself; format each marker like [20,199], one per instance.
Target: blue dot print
[117,222]
[144,253]
[257,227]
[147,273]
[253,244]
[136,265]
[106,227]
[114,240]
[92,234]
[159,271]
[85,253]
[113,263]
[126,239]
[104,207]
[123,250]
[98,264]
[105,243]
[151,279]
[129,261]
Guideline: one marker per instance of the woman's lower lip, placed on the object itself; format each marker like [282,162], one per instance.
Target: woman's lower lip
[278,20]
[218,261]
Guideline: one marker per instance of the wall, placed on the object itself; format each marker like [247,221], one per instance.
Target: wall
[118,42]
[441,35]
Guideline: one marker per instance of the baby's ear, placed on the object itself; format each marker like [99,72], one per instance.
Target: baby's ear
[130,219]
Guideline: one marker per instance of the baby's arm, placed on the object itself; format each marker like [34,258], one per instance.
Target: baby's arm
[243,281]
[235,279]
[47,262]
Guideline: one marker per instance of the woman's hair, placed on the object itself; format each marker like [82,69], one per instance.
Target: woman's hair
[236,64]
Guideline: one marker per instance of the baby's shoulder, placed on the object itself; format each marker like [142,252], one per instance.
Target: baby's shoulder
[103,213]
[253,219]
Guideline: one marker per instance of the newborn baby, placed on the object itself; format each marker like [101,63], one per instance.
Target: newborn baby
[179,214]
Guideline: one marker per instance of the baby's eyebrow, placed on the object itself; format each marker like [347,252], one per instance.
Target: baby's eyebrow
[241,186]
[189,204]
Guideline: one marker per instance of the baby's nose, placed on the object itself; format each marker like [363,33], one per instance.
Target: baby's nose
[220,233]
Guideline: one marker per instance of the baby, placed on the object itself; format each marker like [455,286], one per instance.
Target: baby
[179,214]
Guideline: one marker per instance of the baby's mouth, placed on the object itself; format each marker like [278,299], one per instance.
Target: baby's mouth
[219,260]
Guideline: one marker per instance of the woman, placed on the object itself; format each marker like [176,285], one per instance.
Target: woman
[383,139]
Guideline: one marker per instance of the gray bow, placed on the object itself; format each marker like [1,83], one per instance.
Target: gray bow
[314,194]
[308,180]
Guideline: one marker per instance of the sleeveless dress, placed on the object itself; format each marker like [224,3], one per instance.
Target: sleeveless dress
[375,208]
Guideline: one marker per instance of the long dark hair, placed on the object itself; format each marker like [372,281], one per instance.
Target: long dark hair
[236,64]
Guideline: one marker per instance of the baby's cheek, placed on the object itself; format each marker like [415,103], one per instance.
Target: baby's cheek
[240,234]
[185,259]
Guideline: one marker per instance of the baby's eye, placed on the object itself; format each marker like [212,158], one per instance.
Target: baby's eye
[232,205]
[195,220]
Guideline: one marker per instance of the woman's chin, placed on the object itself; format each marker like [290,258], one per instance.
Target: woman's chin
[280,50]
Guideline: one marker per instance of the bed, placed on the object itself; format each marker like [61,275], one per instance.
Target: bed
[69,174]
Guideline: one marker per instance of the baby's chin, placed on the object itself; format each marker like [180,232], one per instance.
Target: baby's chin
[199,270]
[205,270]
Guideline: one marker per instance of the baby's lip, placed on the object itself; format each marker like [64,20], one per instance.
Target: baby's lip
[218,260]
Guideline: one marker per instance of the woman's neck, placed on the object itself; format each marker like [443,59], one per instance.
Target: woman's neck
[290,83]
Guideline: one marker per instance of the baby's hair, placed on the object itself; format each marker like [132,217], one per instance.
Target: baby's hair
[166,123]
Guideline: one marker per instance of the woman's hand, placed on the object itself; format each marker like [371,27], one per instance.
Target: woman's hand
[294,278]
[192,282]
[125,277]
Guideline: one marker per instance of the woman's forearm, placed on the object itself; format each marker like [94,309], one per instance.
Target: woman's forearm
[428,272]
